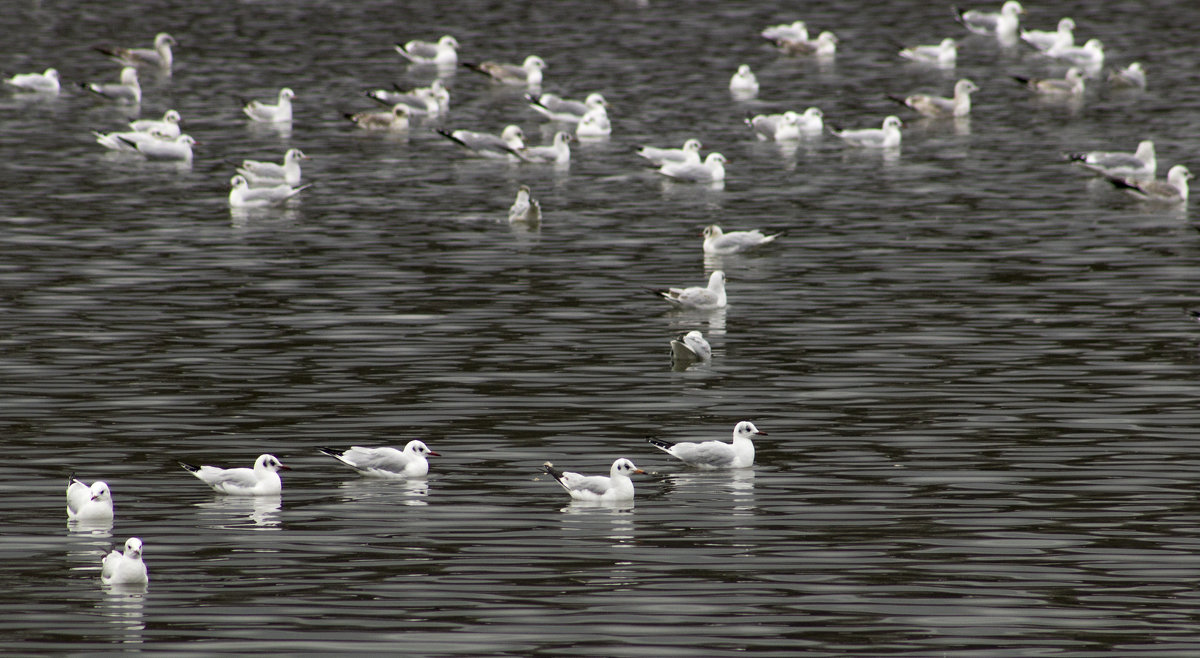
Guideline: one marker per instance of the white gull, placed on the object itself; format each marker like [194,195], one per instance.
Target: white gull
[124,568]
[715,454]
[262,480]
[616,486]
[709,297]
[386,462]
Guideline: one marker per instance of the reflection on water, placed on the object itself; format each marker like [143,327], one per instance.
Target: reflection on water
[231,512]
[122,607]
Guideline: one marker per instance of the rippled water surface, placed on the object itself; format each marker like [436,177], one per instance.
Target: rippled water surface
[975,364]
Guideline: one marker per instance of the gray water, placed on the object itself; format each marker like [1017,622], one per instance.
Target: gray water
[974,363]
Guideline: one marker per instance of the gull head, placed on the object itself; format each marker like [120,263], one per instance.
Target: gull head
[535,63]
[746,430]
[624,467]
[133,548]
[418,447]
[269,462]
[99,491]
[713,231]
[448,41]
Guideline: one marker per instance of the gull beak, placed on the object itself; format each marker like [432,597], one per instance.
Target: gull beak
[433,454]
[760,432]
[284,468]
[639,471]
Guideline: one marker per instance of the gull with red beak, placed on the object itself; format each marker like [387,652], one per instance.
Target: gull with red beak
[262,480]
[386,462]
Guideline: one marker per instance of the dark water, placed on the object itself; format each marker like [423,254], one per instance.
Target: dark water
[974,364]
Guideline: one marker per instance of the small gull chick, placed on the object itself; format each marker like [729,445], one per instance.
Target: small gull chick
[715,454]
[690,152]
[1061,37]
[557,108]
[262,480]
[887,136]
[46,82]
[712,170]
[241,195]
[944,54]
[444,52]
[719,243]
[616,486]
[939,107]
[127,91]
[386,462]
[258,172]
[1141,164]
[89,503]
[124,568]
[525,208]
[1173,190]
[744,84]
[158,56]
[528,73]
[280,112]
[689,347]
[707,298]
[1003,24]
[505,145]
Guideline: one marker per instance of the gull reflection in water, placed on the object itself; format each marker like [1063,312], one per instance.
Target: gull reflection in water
[122,606]
[414,491]
[233,511]
[739,482]
[586,516]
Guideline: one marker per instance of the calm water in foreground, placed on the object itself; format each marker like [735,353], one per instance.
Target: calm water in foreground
[974,362]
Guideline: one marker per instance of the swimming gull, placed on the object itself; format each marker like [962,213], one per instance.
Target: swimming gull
[386,462]
[444,52]
[46,82]
[594,124]
[744,84]
[616,486]
[506,144]
[1173,190]
[887,136]
[262,480]
[1061,37]
[528,72]
[707,298]
[794,31]
[525,208]
[241,195]
[712,170]
[558,152]
[557,108]
[280,112]
[159,56]
[89,502]
[1090,55]
[825,45]
[1130,77]
[258,172]
[1141,164]
[178,149]
[124,568]
[718,242]
[690,152]
[715,454]
[168,126]
[127,91]
[939,107]
[1003,24]
[1070,85]
[689,347]
[777,127]
[944,54]
[395,120]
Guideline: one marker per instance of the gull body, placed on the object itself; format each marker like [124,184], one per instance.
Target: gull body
[262,480]
[177,149]
[1090,55]
[744,83]
[557,108]
[1141,164]
[46,82]
[712,170]
[420,102]
[887,136]
[939,107]
[124,568]
[128,91]
[825,45]
[394,120]
[1174,190]
[89,502]
[159,56]
[443,52]
[944,54]
[386,462]
[241,195]
[777,127]
[126,142]
[1003,24]
[690,152]
[690,347]
[709,297]
[505,145]
[1070,85]
[259,173]
[795,31]
[1130,77]
[280,112]
[716,454]
[168,126]
[615,487]
[558,152]
[717,242]
[594,124]
[525,208]
[527,73]
[1063,36]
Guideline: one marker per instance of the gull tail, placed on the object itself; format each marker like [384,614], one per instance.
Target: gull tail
[1022,79]
[665,446]
[898,100]
[476,68]
[191,468]
[451,137]
[554,472]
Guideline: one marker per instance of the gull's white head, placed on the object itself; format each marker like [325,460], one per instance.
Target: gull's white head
[133,548]
[269,462]
[99,491]
[238,182]
[51,73]
[692,145]
[624,467]
[814,112]
[892,122]
[964,86]
[448,41]
[418,447]
[713,231]
[294,155]
[594,100]
[513,134]
[163,39]
[286,94]
[129,76]
[716,280]
[534,63]
[1012,8]
[715,158]
[948,44]
[746,430]
[1065,24]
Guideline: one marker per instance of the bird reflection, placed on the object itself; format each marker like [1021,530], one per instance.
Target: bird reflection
[372,490]
[122,606]
[585,516]
[229,512]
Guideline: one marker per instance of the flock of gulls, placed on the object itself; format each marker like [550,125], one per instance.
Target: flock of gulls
[263,184]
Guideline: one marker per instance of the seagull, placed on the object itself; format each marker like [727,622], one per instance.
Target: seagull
[886,137]
[718,242]
[945,54]
[594,124]
[1130,77]
[715,454]
[697,298]
[1071,85]
[1043,40]
[1140,165]
[778,127]
[126,142]
[1090,55]
[690,347]
[443,53]
[422,101]
[124,569]
[712,170]
[795,31]
[528,73]
[262,480]
[1003,24]
[744,84]
[257,172]
[168,126]
[825,45]
[159,55]
[1172,190]
[939,107]
[657,156]
[127,91]
[178,149]
[386,462]
[506,144]
[46,82]
[617,486]
[395,120]
[241,195]
[89,503]
[557,153]
[812,120]
[557,108]
[524,208]
[281,112]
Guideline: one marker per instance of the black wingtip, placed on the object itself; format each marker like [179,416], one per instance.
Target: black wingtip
[659,443]
[1075,157]
[1195,314]
[657,292]
[554,472]
[191,468]
[898,99]
[1122,183]
[332,452]
[1021,79]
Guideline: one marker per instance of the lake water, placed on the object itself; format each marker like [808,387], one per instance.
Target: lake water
[974,363]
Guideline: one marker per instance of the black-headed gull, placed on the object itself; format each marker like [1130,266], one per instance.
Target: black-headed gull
[690,347]
[241,195]
[46,82]
[557,108]
[1141,164]
[1090,55]
[719,243]
[528,72]
[1061,37]
[262,173]
[558,152]
[1130,77]
[712,170]
[89,503]
[744,84]
[594,124]
[887,136]
[420,102]
[386,462]
[280,112]
[709,297]
[616,486]
[944,54]
[1173,190]
[443,52]
[177,149]
[715,454]
[777,127]
[940,107]
[124,568]
[393,120]
[525,208]
[158,56]
[126,142]
[262,480]
[127,91]
[794,31]
[825,45]
[168,126]
[1003,24]
[690,152]
[505,145]
[1072,84]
